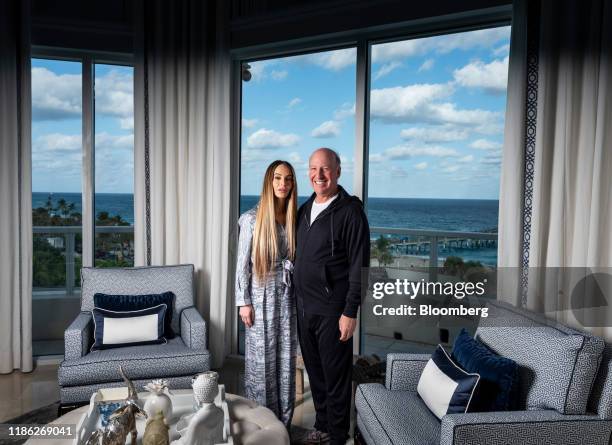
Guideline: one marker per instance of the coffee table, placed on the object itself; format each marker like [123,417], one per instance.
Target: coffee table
[252,424]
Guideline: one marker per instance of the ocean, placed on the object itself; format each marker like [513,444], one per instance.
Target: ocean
[465,215]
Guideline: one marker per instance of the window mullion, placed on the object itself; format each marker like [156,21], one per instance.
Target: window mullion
[360,175]
[88,162]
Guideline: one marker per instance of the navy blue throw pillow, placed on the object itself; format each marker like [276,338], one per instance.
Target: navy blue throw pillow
[498,386]
[114,329]
[122,303]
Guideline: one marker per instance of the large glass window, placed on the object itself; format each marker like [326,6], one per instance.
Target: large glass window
[114,161]
[56,200]
[436,130]
[58,117]
[290,107]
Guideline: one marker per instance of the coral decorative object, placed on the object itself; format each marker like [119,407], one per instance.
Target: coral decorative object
[158,401]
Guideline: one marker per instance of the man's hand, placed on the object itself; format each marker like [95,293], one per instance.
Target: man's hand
[347,326]
[247,315]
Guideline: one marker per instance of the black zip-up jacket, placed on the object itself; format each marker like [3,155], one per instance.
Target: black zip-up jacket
[330,255]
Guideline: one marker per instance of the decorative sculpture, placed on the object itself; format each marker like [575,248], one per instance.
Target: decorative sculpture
[122,421]
[158,400]
[205,427]
[156,431]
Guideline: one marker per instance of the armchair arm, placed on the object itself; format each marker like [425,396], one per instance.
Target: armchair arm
[404,371]
[78,336]
[524,427]
[193,328]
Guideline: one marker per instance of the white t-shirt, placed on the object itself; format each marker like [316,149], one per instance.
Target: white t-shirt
[318,208]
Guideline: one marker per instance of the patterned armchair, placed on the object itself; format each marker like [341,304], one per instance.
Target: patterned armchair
[83,372]
[581,392]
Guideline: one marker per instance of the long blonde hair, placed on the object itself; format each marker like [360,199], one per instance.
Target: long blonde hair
[265,241]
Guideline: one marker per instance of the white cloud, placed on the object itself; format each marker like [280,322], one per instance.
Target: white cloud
[332,60]
[397,50]
[58,142]
[279,74]
[451,169]
[466,159]
[485,144]
[126,123]
[420,166]
[419,103]
[427,65]
[106,141]
[115,94]
[294,102]
[440,133]
[249,123]
[258,70]
[347,109]
[295,157]
[407,152]
[492,159]
[503,50]
[398,171]
[492,77]
[327,129]
[484,38]
[55,96]
[401,104]
[264,138]
[386,69]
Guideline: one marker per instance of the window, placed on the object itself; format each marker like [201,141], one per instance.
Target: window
[291,106]
[114,161]
[60,173]
[436,131]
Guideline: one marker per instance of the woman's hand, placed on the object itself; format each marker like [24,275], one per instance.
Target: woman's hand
[247,315]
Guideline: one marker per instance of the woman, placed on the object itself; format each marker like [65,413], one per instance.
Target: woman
[266,249]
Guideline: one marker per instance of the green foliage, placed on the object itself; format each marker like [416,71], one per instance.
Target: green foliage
[49,262]
[469,270]
[381,251]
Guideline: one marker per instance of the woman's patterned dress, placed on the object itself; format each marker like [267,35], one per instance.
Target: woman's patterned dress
[271,343]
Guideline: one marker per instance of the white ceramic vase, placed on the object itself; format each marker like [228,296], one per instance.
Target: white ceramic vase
[205,387]
[157,403]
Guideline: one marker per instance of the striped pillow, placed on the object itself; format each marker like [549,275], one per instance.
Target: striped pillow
[113,329]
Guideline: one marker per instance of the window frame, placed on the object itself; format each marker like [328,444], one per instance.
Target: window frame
[362,40]
[88,60]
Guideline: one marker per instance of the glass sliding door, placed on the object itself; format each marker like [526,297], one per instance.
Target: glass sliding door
[291,106]
[436,124]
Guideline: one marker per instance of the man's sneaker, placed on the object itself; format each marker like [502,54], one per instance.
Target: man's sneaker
[316,437]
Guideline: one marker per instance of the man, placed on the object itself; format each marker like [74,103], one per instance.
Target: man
[333,244]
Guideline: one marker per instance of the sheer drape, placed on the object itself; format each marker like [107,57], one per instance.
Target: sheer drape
[571,215]
[15,188]
[182,150]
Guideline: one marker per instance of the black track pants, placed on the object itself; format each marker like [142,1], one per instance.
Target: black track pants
[328,362]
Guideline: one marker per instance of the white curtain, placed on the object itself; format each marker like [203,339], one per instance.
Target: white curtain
[15,189]
[510,228]
[182,150]
[571,224]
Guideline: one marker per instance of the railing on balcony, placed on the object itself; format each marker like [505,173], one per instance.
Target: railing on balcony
[430,243]
[68,235]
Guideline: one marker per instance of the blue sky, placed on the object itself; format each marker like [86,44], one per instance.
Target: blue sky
[436,118]
[436,121]
[56,127]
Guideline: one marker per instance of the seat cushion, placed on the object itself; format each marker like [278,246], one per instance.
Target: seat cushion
[394,417]
[557,365]
[139,362]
